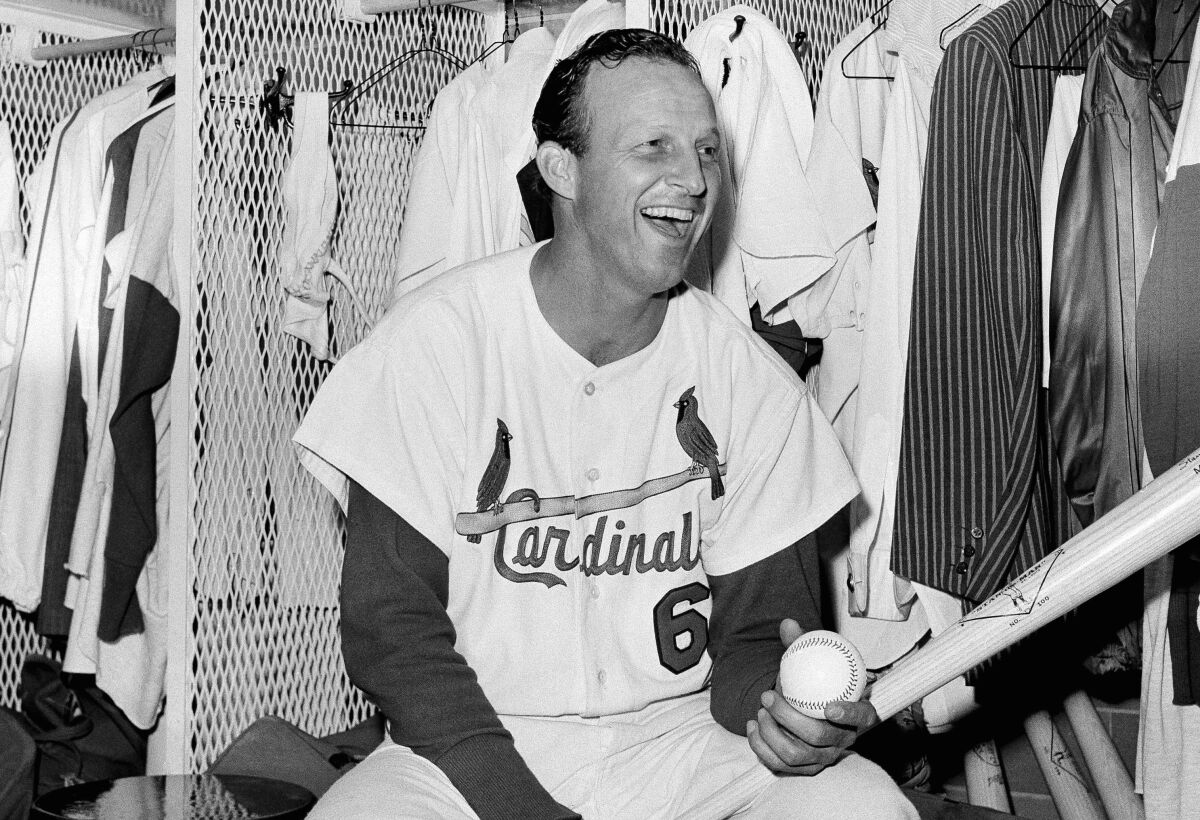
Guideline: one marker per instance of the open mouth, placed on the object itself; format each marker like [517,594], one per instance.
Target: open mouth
[672,222]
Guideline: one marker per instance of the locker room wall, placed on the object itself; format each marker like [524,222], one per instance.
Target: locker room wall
[264,552]
[260,542]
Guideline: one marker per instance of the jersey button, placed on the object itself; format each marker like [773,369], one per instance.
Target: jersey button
[601,677]
[595,591]
[592,474]
[589,388]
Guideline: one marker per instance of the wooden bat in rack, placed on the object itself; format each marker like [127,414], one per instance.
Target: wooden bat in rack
[985,777]
[1161,516]
[1073,797]
[1109,775]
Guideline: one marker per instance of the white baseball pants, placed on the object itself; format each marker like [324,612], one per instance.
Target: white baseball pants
[671,760]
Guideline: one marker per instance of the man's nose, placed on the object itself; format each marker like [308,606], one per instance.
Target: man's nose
[687,172]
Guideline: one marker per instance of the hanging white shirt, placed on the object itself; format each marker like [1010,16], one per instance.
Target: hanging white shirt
[850,126]
[488,206]
[56,274]
[425,247]
[847,131]
[464,202]
[877,593]
[767,239]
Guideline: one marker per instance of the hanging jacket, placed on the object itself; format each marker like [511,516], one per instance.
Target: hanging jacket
[1168,349]
[977,494]
[1107,213]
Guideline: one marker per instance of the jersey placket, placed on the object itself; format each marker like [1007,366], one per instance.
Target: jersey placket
[592,474]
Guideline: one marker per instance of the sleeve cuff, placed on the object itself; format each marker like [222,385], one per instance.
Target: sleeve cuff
[489,772]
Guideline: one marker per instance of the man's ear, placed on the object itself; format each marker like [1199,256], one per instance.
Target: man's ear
[558,167]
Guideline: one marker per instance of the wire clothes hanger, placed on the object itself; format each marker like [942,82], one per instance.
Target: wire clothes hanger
[942,34]
[859,44]
[1175,46]
[1081,37]
[352,93]
[1095,21]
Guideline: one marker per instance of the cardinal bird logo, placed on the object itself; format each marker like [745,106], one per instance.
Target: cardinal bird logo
[697,441]
[492,483]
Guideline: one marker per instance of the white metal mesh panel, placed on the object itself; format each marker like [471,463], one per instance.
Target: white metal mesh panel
[152,10]
[32,100]
[266,551]
[825,22]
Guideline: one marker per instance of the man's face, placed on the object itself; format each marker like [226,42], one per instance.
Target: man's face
[648,179]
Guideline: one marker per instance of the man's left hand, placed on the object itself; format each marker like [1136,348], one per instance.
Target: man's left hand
[788,742]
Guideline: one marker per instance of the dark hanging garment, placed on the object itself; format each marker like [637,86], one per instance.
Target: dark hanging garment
[54,617]
[1107,214]
[1168,340]
[139,419]
[978,495]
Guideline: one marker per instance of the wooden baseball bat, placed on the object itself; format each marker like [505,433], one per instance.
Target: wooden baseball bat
[1069,789]
[1112,780]
[1161,516]
[985,777]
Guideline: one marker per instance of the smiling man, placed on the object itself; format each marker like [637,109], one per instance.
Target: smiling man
[579,503]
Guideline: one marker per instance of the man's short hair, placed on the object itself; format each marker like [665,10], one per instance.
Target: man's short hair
[561,112]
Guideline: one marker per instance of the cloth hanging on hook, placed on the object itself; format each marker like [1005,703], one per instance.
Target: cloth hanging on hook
[1167,344]
[770,245]
[310,201]
[66,190]
[978,501]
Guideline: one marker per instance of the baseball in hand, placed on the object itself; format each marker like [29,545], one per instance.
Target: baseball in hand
[819,668]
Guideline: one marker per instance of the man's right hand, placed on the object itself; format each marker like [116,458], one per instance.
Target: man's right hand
[789,742]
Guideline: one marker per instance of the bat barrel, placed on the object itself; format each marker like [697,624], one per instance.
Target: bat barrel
[1148,525]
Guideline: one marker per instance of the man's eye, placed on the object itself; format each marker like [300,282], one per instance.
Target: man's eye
[653,143]
[707,151]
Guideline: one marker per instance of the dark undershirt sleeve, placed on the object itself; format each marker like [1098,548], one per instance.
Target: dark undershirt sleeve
[744,630]
[398,644]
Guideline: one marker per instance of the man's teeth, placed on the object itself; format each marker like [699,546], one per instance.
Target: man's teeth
[681,214]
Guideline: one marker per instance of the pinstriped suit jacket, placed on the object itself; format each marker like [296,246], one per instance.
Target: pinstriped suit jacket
[978,497]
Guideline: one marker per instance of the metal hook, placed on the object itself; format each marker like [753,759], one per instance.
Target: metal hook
[738,22]
[274,103]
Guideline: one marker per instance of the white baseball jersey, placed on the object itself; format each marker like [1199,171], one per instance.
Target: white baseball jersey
[579,531]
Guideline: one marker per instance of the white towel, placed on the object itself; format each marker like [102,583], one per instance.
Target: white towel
[310,201]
